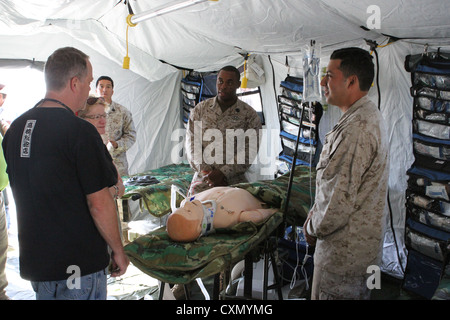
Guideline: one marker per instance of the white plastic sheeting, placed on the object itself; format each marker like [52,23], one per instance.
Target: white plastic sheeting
[210,35]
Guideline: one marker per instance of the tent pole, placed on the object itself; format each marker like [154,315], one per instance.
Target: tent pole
[294,160]
[139,17]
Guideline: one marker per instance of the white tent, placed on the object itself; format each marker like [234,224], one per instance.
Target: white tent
[210,34]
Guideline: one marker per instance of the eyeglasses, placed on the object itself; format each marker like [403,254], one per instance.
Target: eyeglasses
[4,95]
[93,100]
[96,116]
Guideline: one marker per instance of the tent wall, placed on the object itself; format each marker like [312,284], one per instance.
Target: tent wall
[396,108]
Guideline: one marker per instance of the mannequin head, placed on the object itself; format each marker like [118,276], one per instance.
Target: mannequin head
[184,224]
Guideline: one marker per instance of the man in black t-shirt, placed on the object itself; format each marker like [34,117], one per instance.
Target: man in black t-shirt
[60,174]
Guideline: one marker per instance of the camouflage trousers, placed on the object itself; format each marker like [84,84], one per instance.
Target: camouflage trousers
[331,286]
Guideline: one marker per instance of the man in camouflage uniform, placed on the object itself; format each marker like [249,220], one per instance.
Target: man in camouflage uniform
[222,136]
[347,219]
[120,132]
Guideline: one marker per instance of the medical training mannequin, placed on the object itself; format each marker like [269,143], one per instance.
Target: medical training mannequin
[219,207]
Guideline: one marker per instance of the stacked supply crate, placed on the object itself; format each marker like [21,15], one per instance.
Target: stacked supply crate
[295,115]
[196,87]
[427,232]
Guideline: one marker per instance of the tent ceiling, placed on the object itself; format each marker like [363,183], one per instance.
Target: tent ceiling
[213,33]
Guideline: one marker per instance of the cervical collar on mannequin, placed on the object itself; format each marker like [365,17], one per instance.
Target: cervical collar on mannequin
[208,217]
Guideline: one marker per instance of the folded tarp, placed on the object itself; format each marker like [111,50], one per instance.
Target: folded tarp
[156,196]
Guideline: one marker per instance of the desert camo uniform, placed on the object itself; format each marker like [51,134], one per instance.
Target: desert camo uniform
[348,215]
[119,127]
[208,115]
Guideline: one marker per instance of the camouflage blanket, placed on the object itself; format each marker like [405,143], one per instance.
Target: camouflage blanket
[173,262]
[274,193]
[156,196]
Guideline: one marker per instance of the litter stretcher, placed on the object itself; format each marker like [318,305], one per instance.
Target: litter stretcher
[181,263]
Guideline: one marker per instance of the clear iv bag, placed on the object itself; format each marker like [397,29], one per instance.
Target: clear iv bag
[311,74]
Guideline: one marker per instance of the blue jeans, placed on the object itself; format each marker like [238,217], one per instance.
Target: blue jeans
[92,287]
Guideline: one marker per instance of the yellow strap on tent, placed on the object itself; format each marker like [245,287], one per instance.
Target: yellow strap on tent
[126,59]
[129,23]
[244,77]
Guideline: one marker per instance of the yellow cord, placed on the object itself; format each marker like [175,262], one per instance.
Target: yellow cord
[131,24]
[126,59]
[127,40]
[244,78]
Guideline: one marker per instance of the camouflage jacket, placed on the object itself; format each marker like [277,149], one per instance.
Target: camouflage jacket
[348,215]
[206,140]
[119,127]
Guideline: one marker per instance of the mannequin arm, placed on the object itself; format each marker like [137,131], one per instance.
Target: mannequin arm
[256,215]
